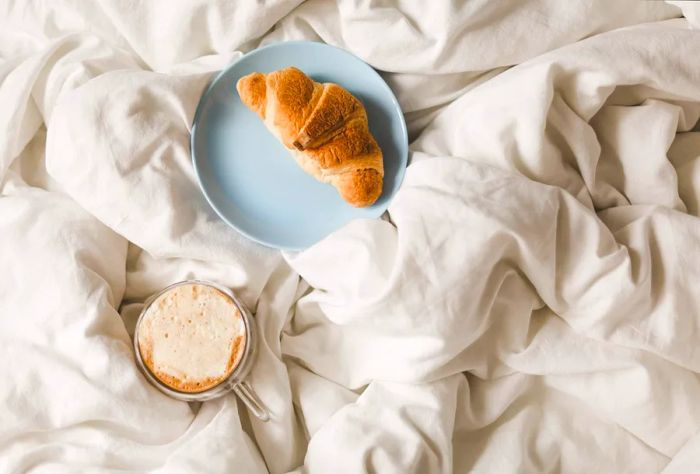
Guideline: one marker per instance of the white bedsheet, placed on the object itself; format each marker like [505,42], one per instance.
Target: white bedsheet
[533,305]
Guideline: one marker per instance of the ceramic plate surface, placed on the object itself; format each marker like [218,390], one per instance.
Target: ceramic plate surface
[252,181]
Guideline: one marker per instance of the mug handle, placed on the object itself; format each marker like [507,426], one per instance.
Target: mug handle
[246,393]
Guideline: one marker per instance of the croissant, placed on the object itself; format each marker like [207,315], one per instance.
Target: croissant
[323,126]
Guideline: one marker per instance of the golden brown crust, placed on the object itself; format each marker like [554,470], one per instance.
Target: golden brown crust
[335,108]
[323,125]
[353,140]
[362,187]
[253,88]
[294,97]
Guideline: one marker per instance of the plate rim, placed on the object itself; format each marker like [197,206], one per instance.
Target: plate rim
[208,91]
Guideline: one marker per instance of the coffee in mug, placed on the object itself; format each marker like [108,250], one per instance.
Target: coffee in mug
[195,341]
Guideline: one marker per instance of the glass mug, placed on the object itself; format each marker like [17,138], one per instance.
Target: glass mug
[235,381]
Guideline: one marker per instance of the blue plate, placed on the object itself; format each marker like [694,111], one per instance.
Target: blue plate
[252,181]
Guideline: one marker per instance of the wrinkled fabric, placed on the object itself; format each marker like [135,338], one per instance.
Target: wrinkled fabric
[530,304]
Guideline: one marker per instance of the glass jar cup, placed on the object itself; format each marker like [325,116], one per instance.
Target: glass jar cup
[236,379]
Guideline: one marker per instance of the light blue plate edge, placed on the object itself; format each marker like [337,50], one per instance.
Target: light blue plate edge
[404,132]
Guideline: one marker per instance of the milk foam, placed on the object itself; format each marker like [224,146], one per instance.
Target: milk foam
[192,330]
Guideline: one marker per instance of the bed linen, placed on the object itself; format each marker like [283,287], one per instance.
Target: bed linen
[530,304]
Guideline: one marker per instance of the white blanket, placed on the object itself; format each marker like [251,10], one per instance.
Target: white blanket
[532,305]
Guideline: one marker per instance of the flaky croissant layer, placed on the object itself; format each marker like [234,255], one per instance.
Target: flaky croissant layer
[323,126]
